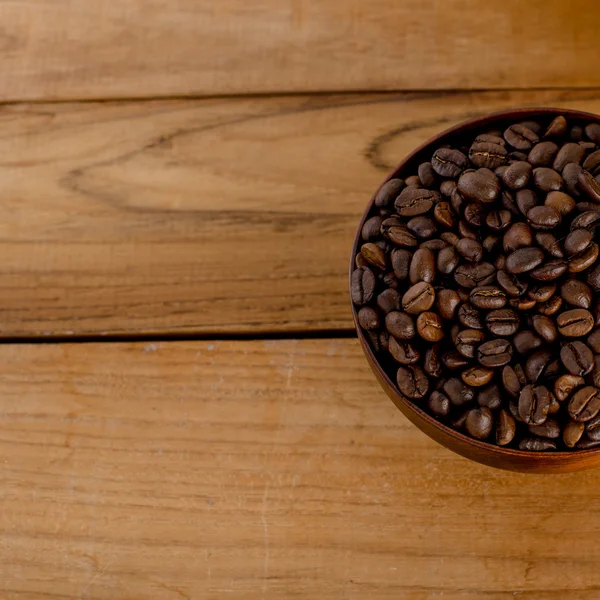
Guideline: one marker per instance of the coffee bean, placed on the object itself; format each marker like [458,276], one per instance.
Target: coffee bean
[435,244]
[587,444]
[550,429]
[592,162]
[505,428]
[498,220]
[412,381]
[371,229]
[470,249]
[468,340]
[584,404]
[374,255]
[511,284]
[430,326]
[545,328]
[510,381]
[556,128]
[480,186]
[487,154]
[400,325]
[368,318]
[577,358]
[569,153]
[542,154]
[517,236]
[570,175]
[438,404]
[419,298]
[517,175]
[403,352]
[592,429]
[470,317]
[572,433]
[502,322]
[422,227]
[495,353]
[576,133]
[400,236]
[586,259]
[473,275]
[561,202]
[448,162]
[577,241]
[458,393]
[549,243]
[427,175]
[487,297]
[447,301]
[490,397]
[576,293]
[522,303]
[479,423]
[550,307]
[523,260]
[415,201]
[575,323]
[589,186]
[447,260]
[362,286]
[447,187]
[543,217]
[444,214]
[541,293]
[520,137]
[432,364]
[388,192]
[593,278]
[534,402]
[477,376]
[592,130]
[547,180]
[422,266]
[537,444]
[594,341]
[566,384]
[388,301]
[526,200]
[537,363]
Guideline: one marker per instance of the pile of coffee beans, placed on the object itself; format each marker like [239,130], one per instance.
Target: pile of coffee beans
[477,282]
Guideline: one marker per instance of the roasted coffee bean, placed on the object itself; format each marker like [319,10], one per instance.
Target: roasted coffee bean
[572,433]
[464,231]
[569,153]
[371,229]
[537,363]
[419,298]
[432,363]
[488,297]
[554,405]
[368,318]
[447,260]
[403,352]
[480,186]
[388,192]
[374,255]
[388,301]
[543,217]
[505,428]
[487,154]
[586,259]
[438,404]
[541,293]
[517,175]
[547,180]
[477,376]
[576,293]
[389,280]
[549,271]
[523,260]
[550,307]
[479,423]
[430,326]
[412,381]
[575,323]
[589,219]
[470,250]
[457,202]
[595,374]
[570,175]
[363,286]
[593,278]
[542,154]
[498,220]
[545,328]
[458,392]
[490,397]
[592,429]
[589,186]
[468,340]
[473,275]
[511,284]
[510,381]
[550,429]
[447,187]
[556,128]
[587,444]
[578,241]
[594,341]
[517,236]
[577,358]
[413,181]
[448,162]
[584,404]
[495,353]
[415,201]
[427,175]
[534,402]
[422,227]
[400,259]
[447,301]
[470,317]
[592,162]
[444,214]
[537,444]
[549,243]
[520,137]
[434,244]
[502,322]
[526,200]
[592,130]
[422,266]
[500,263]
[526,341]
[522,303]
[560,201]
[566,384]
[399,236]
[400,325]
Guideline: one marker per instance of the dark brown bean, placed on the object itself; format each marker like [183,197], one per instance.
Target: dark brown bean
[566,384]
[575,323]
[374,255]
[560,201]
[490,397]
[438,404]
[510,381]
[537,364]
[577,358]
[368,318]
[422,266]
[388,192]
[589,186]
[542,154]
[572,433]
[511,284]
[550,429]
[479,423]
[550,307]
[517,175]
[557,127]
[549,243]
[487,154]
[444,214]
[412,381]
[586,259]
[545,328]
[448,162]
[400,259]
[520,137]
[470,317]
[477,376]
[584,404]
[541,293]
[400,325]
[576,293]
[430,326]
[432,363]
[362,286]
[537,445]
[569,153]
[505,428]
[470,249]
[458,392]
[447,301]
[503,322]
[447,260]
[415,201]
[468,340]
[547,180]
[427,175]
[495,353]
[543,217]
[523,260]
[594,341]
[480,186]
[550,270]
[419,298]
[403,352]
[472,275]
[534,402]
[487,297]
[517,236]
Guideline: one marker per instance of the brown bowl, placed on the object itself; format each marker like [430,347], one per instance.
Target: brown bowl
[486,453]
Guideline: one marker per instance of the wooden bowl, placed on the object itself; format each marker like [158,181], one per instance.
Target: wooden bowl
[486,453]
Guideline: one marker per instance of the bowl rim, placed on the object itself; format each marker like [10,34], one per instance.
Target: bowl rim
[461,438]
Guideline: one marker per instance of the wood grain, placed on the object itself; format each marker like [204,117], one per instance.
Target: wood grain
[77,49]
[260,470]
[202,216]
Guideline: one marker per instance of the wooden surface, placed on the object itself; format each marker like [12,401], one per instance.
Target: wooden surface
[260,469]
[208,216]
[140,48]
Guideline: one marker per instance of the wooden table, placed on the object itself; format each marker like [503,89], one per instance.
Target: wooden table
[185,412]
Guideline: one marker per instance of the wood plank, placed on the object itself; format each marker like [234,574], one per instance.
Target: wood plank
[201,216]
[77,49]
[260,470]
